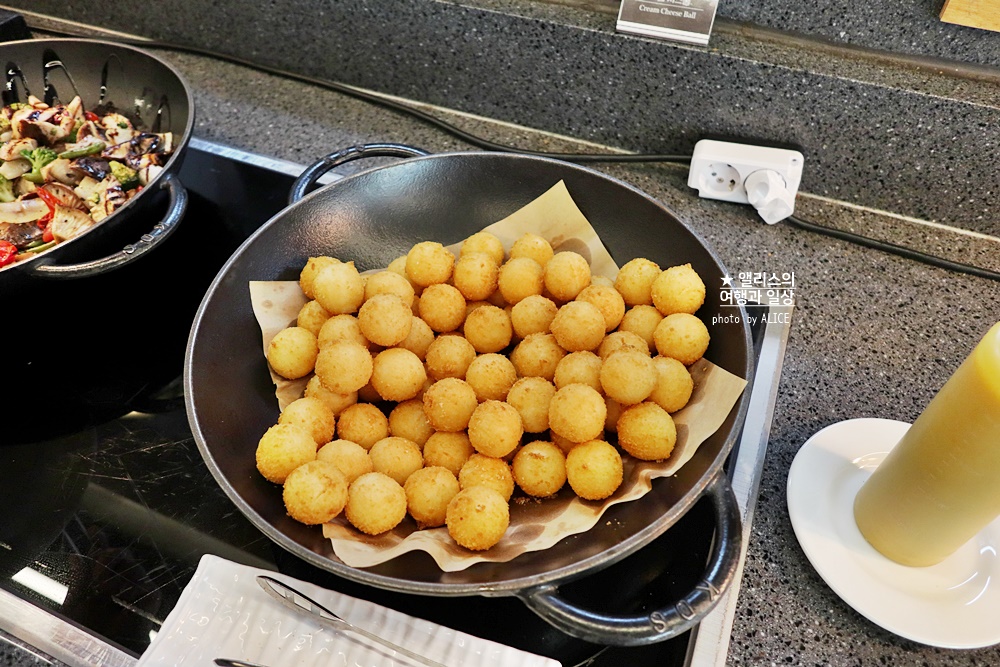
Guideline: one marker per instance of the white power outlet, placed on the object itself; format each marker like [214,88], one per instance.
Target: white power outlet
[766,178]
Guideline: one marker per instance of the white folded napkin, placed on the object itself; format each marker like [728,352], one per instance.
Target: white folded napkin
[223,613]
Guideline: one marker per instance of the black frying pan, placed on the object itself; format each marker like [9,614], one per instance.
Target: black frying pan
[372,218]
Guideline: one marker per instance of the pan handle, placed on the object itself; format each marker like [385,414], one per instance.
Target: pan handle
[312,173]
[133,251]
[671,620]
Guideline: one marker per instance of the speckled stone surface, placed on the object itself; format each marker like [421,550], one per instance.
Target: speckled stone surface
[911,142]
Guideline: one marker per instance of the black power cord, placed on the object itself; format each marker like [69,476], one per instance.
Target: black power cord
[486,144]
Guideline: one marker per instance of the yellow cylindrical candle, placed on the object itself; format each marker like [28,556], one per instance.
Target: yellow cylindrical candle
[940,485]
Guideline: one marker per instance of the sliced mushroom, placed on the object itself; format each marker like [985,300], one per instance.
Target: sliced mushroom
[15,168]
[23,210]
[20,233]
[12,149]
[69,222]
[60,170]
[65,195]
[148,173]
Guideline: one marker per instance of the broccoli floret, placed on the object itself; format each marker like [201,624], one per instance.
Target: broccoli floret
[39,157]
[125,175]
[6,189]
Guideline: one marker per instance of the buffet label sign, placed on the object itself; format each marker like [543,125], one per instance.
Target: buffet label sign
[688,21]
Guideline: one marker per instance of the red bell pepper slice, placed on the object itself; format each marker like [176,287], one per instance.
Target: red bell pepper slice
[8,252]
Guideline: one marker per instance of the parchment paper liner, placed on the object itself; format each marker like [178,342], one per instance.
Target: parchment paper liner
[534,525]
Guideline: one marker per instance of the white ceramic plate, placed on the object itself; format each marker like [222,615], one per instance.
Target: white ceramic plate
[954,604]
[223,613]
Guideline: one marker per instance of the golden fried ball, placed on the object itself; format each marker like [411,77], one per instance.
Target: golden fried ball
[419,339]
[562,443]
[376,503]
[532,246]
[313,415]
[339,288]
[429,263]
[608,301]
[292,352]
[540,469]
[315,492]
[309,271]
[678,289]
[351,458]
[486,243]
[477,518]
[398,374]
[577,413]
[336,402]
[602,281]
[448,450]
[449,403]
[647,432]
[628,376]
[481,470]
[488,328]
[341,328]
[385,320]
[491,376]
[537,356]
[683,337]
[282,449]
[389,282]
[579,325]
[312,316]
[449,356]
[520,278]
[614,412]
[495,429]
[344,367]
[594,470]
[396,457]
[642,321]
[621,340]
[674,385]
[579,368]
[428,492]
[533,314]
[566,275]
[408,420]
[364,424]
[476,275]
[442,307]
[530,396]
[398,266]
[635,281]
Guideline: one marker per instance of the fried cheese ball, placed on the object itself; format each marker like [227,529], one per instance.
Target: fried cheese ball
[483,242]
[614,412]
[428,492]
[341,328]
[313,415]
[398,374]
[282,449]
[339,288]
[533,314]
[315,492]
[683,337]
[488,328]
[344,367]
[674,385]
[364,424]
[398,265]
[520,278]
[309,271]
[481,470]
[608,301]
[449,404]
[628,376]
[594,470]
[476,275]
[577,413]
[396,457]
[562,443]
[635,281]
[477,518]
[449,356]
[292,352]
[351,458]
[537,356]
[532,246]
[448,450]
[539,469]
[579,368]
[621,340]
[336,402]
[495,428]
[408,420]
[678,289]
[531,396]
[579,325]
[566,275]
[429,263]
[390,282]
[385,320]
[491,376]
[602,281]
[647,432]
[376,503]
[419,340]
[312,316]
[642,321]
[442,307]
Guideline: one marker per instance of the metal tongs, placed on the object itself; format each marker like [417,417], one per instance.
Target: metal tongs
[296,601]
